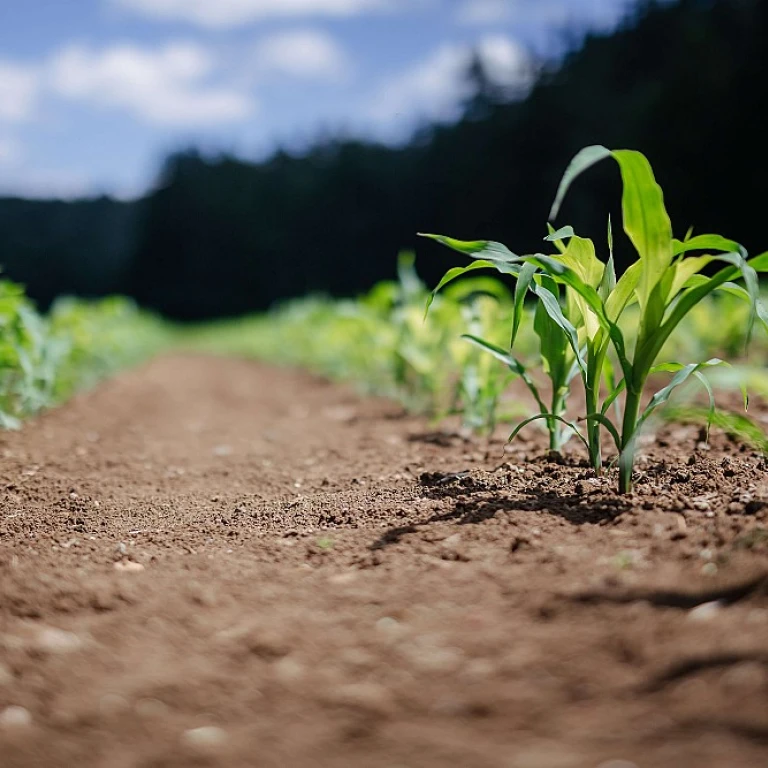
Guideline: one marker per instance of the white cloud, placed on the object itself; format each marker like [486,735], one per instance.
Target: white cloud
[233,13]
[18,91]
[484,12]
[505,60]
[165,86]
[302,53]
[435,87]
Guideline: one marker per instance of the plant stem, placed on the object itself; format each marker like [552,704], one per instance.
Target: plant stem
[596,353]
[553,427]
[628,429]
[593,426]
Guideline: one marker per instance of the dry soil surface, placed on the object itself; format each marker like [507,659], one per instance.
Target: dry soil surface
[214,562]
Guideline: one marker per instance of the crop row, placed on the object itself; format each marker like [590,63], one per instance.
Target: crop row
[568,322]
[46,358]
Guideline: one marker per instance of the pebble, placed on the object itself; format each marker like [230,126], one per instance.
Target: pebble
[288,670]
[343,578]
[205,738]
[389,627]
[52,640]
[705,611]
[15,717]
[128,566]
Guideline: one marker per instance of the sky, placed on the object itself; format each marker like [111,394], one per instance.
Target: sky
[95,93]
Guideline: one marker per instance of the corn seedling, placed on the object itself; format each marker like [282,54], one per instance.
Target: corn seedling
[481,382]
[586,303]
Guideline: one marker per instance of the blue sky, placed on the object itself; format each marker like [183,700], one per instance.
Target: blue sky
[94,93]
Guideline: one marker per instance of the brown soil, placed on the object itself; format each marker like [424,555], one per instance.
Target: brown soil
[213,562]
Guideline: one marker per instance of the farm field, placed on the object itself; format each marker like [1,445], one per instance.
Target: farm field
[211,561]
[383,384]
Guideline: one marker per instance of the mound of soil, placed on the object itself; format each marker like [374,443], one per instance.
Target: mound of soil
[214,562]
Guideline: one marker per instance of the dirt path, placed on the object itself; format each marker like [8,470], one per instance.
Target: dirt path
[211,562]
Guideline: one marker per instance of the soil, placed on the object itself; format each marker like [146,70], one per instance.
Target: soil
[215,562]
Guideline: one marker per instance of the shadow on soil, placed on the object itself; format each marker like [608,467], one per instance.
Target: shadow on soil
[476,501]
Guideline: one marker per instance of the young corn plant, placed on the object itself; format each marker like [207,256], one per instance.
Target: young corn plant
[481,384]
[666,283]
[556,357]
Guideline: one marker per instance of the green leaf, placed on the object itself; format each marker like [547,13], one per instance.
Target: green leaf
[683,270]
[614,393]
[560,234]
[759,263]
[705,243]
[559,244]
[622,294]
[664,394]
[563,273]
[610,237]
[732,289]
[585,159]
[553,344]
[455,272]
[580,257]
[608,424]
[512,362]
[522,286]
[646,221]
[711,409]
[548,417]
[481,249]
[552,307]
[570,278]
[694,295]
[608,282]
[734,424]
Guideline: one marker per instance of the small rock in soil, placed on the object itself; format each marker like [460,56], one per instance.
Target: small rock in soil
[52,640]
[14,717]
[206,738]
[288,669]
[705,611]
